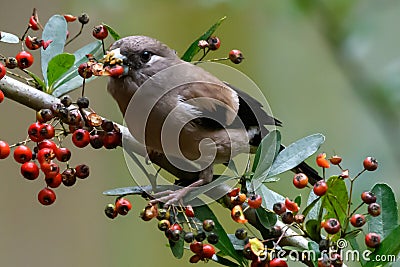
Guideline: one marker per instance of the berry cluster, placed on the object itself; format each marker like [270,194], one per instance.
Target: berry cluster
[289,213]
[48,133]
[177,223]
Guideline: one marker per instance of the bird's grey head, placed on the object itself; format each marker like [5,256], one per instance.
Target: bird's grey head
[144,55]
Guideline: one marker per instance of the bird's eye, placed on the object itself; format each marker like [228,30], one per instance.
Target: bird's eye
[145,56]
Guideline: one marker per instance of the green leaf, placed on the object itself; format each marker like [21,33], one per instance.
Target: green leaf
[194,48]
[269,197]
[135,190]
[296,153]
[112,32]
[267,218]
[58,65]
[354,244]
[10,38]
[237,243]
[40,83]
[336,199]
[267,151]
[177,248]
[313,228]
[389,247]
[388,220]
[313,246]
[298,200]
[312,210]
[232,167]
[271,180]
[224,261]
[55,30]
[224,244]
[71,79]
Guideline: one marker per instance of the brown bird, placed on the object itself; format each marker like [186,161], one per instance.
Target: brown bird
[182,113]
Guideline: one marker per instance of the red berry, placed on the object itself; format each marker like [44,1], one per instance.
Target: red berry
[208,251]
[279,208]
[47,131]
[255,201]
[287,217]
[24,59]
[236,56]
[320,188]
[45,155]
[214,43]
[4,150]
[100,32]
[238,215]
[357,220]
[47,144]
[208,225]
[195,259]
[234,192]
[291,205]
[176,226]
[50,169]
[3,71]
[46,196]
[33,23]
[69,18]
[322,161]
[30,170]
[374,209]
[278,262]
[81,138]
[196,247]
[96,141]
[63,154]
[46,44]
[11,62]
[372,240]
[370,164]
[68,177]
[111,140]
[116,71]
[22,154]
[54,181]
[44,115]
[85,71]
[335,160]
[189,211]
[123,206]
[300,180]
[32,43]
[34,132]
[164,225]
[82,171]
[332,226]
[368,197]
[1,96]
[239,199]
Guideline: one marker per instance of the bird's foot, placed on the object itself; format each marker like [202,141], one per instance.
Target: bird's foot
[170,197]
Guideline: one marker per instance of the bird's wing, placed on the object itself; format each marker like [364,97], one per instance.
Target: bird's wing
[214,99]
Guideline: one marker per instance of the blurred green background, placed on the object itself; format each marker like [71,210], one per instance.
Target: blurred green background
[325,66]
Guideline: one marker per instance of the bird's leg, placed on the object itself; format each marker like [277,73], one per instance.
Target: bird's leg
[172,197]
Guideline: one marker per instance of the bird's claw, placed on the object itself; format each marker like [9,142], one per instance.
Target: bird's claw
[170,197]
